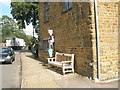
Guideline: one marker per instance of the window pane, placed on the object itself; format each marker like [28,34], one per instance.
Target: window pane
[70,4]
[46,6]
[67,5]
[45,45]
[45,15]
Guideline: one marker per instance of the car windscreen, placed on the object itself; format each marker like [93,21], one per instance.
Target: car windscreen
[4,50]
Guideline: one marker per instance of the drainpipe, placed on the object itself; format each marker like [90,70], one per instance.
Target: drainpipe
[97,41]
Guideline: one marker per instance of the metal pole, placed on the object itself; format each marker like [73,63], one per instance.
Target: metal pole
[33,31]
[97,39]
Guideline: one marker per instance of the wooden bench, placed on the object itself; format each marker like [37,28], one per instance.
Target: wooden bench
[63,61]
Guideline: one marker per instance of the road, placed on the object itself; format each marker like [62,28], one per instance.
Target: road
[10,73]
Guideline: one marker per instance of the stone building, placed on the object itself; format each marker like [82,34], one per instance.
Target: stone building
[87,29]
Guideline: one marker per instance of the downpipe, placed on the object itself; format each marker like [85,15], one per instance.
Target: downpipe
[97,42]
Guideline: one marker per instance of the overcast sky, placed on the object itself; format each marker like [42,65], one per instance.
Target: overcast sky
[5,10]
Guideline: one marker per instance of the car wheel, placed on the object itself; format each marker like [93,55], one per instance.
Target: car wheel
[13,59]
[10,62]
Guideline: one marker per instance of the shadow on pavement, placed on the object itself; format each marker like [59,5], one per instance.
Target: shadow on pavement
[30,56]
[44,64]
[5,63]
[33,57]
[22,50]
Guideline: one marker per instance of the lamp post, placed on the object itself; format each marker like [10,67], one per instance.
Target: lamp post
[33,31]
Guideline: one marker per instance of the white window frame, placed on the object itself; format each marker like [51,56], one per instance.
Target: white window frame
[67,5]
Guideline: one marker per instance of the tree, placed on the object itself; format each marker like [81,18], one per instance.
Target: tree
[25,13]
[10,29]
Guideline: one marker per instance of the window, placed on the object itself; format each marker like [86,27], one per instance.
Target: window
[46,14]
[67,5]
[40,44]
[45,45]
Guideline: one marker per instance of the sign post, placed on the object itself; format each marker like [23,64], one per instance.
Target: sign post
[51,43]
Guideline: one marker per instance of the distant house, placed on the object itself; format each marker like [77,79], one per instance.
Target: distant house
[87,29]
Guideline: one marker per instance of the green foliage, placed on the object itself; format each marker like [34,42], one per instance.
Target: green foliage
[25,13]
[10,29]
[8,26]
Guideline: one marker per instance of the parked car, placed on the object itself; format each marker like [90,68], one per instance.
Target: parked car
[7,55]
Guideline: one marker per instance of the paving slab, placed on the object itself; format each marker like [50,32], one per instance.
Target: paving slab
[35,74]
[84,82]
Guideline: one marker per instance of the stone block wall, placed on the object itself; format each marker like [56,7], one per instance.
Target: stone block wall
[119,38]
[108,30]
[75,33]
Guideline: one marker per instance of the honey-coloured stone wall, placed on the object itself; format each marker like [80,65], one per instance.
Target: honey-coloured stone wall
[75,32]
[108,31]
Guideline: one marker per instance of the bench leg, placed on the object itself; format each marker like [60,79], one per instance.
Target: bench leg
[49,65]
[63,71]
[72,70]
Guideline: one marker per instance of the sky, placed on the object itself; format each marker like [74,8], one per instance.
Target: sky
[5,10]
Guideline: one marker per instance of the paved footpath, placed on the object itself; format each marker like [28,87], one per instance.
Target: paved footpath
[36,75]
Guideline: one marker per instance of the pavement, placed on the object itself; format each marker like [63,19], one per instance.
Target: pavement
[35,74]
